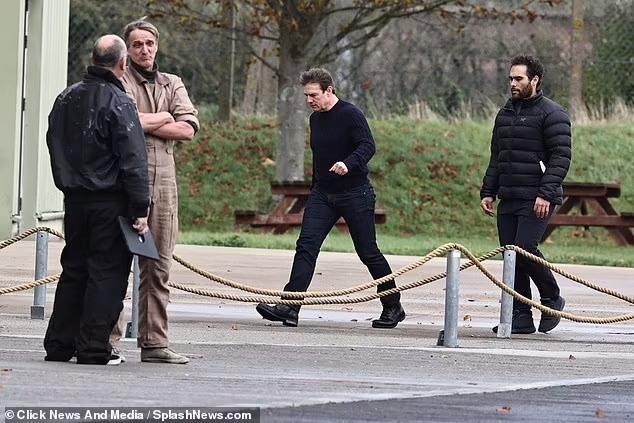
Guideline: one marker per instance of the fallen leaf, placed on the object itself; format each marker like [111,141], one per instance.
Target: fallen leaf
[599,413]
[572,357]
[268,162]
[504,410]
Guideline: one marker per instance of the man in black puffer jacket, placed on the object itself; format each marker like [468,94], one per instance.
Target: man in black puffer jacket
[531,150]
[99,162]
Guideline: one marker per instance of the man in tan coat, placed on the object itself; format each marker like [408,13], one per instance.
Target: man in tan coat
[167,115]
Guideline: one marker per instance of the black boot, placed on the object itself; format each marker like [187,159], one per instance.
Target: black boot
[522,322]
[288,315]
[390,316]
[548,322]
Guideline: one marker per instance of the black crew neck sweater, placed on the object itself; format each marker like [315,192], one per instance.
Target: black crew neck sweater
[341,134]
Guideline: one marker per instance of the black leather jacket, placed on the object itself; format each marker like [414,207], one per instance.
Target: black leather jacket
[96,142]
[531,150]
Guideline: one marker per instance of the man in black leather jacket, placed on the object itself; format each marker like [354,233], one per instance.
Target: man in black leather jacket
[99,162]
[531,151]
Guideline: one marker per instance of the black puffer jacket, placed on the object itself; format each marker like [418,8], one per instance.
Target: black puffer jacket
[96,142]
[531,149]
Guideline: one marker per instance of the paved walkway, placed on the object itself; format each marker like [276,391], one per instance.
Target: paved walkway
[334,366]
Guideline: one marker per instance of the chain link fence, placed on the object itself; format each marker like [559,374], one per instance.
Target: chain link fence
[421,66]
[608,56]
[187,51]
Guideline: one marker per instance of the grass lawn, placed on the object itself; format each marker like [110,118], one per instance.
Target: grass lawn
[427,176]
[564,248]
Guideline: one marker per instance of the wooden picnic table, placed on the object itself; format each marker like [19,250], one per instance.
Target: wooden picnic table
[289,211]
[592,200]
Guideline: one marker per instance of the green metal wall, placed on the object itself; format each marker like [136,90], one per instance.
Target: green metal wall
[45,76]
[11,49]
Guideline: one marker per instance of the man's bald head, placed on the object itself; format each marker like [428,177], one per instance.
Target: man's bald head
[108,51]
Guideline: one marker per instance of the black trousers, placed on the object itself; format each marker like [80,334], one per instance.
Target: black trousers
[322,211]
[526,230]
[95,268]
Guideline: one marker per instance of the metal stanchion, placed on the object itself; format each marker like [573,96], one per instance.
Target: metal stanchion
[450,332]
[132,329]
[41,271]
[506,309]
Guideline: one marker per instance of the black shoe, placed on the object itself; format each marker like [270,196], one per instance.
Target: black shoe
[522,322]
[288,315]
[111,360]
[548,322]
[390,317]
[58,357]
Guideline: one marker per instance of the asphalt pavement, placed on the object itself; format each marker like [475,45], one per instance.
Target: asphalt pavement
[334,367]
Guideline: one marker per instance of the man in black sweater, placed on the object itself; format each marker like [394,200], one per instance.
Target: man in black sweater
[98,159]
[342,146]
[530,155]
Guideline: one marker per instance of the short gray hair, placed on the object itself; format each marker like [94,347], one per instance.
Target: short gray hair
[139,24]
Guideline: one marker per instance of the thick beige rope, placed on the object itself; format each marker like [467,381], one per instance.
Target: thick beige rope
[326,297]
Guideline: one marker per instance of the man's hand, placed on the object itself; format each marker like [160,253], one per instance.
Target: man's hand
[487,205]
[153,121]
[167,117]
[339,168]
[541,208]
[140,224]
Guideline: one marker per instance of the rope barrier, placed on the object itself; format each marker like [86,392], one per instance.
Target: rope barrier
[328,297]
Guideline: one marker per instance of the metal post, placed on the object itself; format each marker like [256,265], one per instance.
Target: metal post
[41,271]
[506,310]
[132,330]
[450,331]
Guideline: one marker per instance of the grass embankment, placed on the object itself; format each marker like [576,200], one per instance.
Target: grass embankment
[427,176]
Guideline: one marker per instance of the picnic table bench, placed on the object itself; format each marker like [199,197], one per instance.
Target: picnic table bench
[593,203]
[289,211]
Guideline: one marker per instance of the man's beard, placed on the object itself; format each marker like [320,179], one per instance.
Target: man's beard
[523,93]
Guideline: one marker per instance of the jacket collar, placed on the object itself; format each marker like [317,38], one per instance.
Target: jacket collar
[524,102]
[97,72]
[140,79]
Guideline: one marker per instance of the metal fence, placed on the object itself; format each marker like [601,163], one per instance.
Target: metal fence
[416,65]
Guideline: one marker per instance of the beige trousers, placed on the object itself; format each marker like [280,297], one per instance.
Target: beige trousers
[163,223]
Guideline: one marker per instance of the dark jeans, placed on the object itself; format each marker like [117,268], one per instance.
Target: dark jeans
[95,267]
[322,211]
[526,231]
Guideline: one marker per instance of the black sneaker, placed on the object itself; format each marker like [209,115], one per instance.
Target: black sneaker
[55,356]
[286,314]
[522,322]
[117,352]
[112,360]
[115,360]
[548,322]
[390,317]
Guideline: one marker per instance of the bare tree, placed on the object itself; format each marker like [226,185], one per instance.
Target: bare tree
[311,32]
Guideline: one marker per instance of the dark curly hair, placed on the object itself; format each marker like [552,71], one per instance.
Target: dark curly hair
[533,67]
